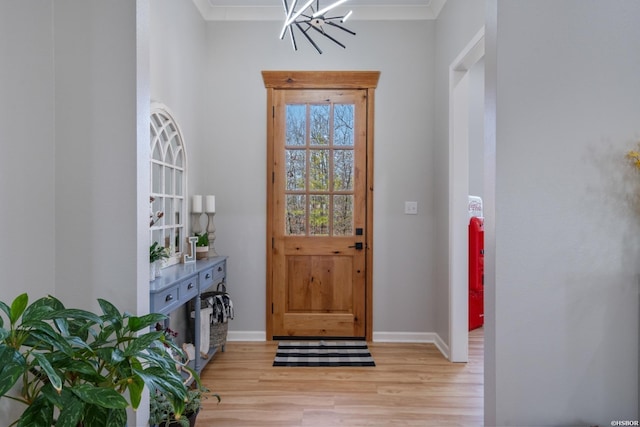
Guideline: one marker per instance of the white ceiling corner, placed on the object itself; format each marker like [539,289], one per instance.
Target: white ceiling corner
[367,10]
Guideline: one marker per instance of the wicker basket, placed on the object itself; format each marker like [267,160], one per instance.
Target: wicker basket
[218,331]
[218,334]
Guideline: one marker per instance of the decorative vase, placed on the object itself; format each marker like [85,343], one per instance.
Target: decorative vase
[158,268]
[152,271]
[202,252]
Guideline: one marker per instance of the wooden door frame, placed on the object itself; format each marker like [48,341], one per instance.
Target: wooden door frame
[364,80]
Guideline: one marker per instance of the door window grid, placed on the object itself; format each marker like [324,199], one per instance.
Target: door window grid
[319,169]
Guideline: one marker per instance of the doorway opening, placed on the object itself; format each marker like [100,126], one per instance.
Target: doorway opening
[460,123]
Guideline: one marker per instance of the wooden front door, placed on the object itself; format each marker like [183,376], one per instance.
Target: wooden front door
[319,222]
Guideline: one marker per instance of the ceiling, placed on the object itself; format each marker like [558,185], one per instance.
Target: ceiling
[278,3]
[272,10]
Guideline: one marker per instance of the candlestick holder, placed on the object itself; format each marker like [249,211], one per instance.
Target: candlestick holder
[211,231]
[195,223]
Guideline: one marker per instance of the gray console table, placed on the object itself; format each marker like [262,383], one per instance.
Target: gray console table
[182,283]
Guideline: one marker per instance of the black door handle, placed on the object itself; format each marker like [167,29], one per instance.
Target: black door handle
[359,246]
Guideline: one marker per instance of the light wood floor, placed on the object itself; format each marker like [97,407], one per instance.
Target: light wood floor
[411,385]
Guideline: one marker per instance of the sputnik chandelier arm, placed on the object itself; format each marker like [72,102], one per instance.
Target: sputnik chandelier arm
[309,17]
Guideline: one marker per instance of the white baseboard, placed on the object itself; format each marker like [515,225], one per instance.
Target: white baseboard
[421,337]
[246,336]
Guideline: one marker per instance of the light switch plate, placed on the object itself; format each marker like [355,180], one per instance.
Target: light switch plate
[411,208]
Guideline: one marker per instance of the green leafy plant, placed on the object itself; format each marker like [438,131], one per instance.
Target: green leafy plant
[203,240]
[157,253]
[82,367]
[162,412]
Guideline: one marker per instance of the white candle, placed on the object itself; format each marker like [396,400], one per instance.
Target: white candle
[210,204]
[196,206]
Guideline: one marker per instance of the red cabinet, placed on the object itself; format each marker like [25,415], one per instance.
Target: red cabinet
[476,273]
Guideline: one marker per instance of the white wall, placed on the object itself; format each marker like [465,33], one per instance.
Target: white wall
[27,169]
[236,150]
[96,153]
[102,151]
[564,78]
[26,164]
[476,129]
[71,85]
[178,72]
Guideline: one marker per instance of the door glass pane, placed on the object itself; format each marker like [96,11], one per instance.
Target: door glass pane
[319,216]
[168,209]
[319,170]
[319,129]
[343,125]
[295,215]
[170,240]
[157,207]
[156,178]
[168,180]
[178,173]
[173,134]
[343,215]
[156,123]
[296,169]
[296,124]
[157,152]
[178,212]
[343,170]
[169,158]
[157,236]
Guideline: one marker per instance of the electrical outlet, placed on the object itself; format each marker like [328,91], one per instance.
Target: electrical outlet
[411,208]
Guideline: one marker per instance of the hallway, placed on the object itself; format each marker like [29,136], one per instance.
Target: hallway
[411,385]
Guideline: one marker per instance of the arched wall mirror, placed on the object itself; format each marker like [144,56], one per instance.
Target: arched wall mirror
[168,182]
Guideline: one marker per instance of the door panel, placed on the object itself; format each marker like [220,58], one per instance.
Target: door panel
[319,213]
[307,288]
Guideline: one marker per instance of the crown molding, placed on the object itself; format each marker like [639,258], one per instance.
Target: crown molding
[362,13]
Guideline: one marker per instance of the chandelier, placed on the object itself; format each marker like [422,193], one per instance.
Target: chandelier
[312,17]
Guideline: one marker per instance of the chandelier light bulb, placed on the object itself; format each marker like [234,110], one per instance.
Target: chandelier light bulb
[327,9]
[299,12]
[313,19]
[289,12]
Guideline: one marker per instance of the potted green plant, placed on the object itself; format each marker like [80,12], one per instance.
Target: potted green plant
[202,246]
[156,253]
[161,412]
[84,368]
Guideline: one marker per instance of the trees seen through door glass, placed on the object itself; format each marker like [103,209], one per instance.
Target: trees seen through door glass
[319,169]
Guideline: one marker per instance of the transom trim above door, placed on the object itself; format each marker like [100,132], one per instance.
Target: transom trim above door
[319,203]
[321,79]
